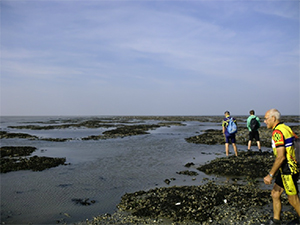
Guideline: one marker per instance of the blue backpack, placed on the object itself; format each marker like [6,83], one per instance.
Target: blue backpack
[231,128]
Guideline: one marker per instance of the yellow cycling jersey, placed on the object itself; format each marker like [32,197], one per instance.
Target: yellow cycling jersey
[283,136]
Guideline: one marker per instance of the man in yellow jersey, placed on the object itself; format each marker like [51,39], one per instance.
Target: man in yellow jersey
[285,163]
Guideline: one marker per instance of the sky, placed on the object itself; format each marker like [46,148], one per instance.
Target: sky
[162,57]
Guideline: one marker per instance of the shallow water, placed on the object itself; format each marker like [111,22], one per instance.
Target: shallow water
[102,170]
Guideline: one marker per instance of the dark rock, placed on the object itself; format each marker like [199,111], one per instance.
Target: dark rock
[34,163]
[251,164]
[167,181]
[84,202]
[16,151]
[194,203]
[4,134]
[188,172]
[123,131]
[13,158]
[189,164]
[56,139]
[169,124]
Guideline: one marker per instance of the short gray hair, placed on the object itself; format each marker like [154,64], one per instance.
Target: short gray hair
[275,113]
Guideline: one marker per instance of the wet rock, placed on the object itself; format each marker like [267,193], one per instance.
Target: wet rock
[212,137]
[14,158]
[169,124]
[201,204]
[56,139]
[34,163]
[16,151]
[124,131]
[84,202]
[4,134]
[188,172]
[250,164]
[131,130]
[189,164]
[207,204]
[88,124]
[167,181]
[124,218]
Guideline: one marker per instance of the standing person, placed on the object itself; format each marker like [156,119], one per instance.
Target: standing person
[253,132]
[228,137]
[285,164]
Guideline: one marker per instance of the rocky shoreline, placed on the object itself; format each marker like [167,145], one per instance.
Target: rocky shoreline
[249,164]
[232,202]
[240,200]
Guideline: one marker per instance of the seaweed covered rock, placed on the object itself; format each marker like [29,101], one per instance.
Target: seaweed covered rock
[188,172]
[34,163]
[251,164]
[123,131]
[16,151]
[14,158]
[212,137]
[4,134]
[204,204]
[93,123]
[209,137]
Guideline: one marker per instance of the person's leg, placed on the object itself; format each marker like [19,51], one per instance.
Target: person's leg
[233,141]
[235,149]
[250,140]
[295,202]
[291,189]
[258,145]
[257,140]
[227,148]
[276,194]
[249,145]
[226,145]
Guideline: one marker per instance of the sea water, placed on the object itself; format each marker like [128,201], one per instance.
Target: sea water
[98,170]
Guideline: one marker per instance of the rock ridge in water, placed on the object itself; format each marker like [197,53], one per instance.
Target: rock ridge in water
[251,164]
[202,204]
[14,158]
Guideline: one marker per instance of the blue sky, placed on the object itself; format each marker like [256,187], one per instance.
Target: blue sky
[149,57]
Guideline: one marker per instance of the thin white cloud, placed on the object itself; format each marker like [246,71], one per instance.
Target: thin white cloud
[137,47]
[284,9]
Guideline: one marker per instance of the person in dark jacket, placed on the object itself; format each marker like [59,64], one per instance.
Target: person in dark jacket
[253,134]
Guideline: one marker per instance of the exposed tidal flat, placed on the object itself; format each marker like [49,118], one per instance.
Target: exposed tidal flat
[135,170]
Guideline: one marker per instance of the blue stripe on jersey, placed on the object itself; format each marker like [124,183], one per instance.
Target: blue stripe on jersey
[289,142]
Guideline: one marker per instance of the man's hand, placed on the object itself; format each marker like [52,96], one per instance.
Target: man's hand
[268,179]
[277,164]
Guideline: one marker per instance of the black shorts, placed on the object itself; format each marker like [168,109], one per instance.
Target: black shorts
[288,183]
[253,134]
